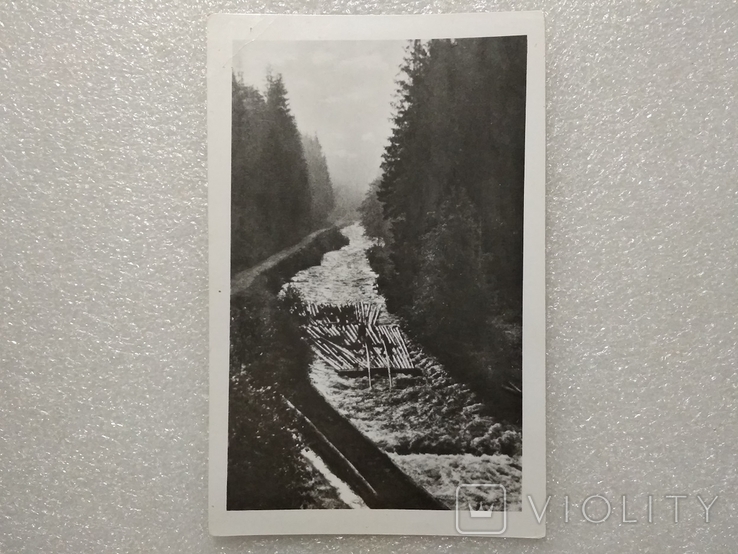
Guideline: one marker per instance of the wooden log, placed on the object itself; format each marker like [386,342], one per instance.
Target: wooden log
[345,351]
[330,348]
[401,343]
[389,366]
[328,356]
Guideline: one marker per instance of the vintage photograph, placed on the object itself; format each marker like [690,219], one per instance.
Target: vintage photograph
[376,251]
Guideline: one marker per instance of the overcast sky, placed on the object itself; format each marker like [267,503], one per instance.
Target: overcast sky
[341,91]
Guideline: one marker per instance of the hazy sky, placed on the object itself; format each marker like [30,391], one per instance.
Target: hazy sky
[341,91]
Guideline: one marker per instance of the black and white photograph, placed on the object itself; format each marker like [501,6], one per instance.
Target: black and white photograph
[370,221]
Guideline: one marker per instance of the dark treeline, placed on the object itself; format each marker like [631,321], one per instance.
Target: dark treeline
[449,209]
[321,187]
[280,186]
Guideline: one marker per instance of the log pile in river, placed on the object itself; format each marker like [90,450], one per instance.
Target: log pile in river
[348,338]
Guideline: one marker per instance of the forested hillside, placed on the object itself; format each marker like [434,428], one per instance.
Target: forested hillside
[449,209]
[280,186]
[321,187]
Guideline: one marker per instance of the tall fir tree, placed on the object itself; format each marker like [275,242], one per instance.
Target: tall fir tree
[284,164]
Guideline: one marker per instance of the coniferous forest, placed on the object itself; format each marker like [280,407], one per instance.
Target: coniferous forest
[448,209]
[280,186]
[321,187]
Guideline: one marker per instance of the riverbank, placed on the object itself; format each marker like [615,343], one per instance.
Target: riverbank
[267,465]
[279,268]
[270,466]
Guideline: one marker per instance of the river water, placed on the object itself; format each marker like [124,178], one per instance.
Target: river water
[427,424]
[343,276]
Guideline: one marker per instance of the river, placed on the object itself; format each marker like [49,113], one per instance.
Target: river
[433,428]
[344,276]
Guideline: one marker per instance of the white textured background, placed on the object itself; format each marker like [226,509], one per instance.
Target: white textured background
[103,283]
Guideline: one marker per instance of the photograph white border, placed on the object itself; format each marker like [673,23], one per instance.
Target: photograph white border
[223,30]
